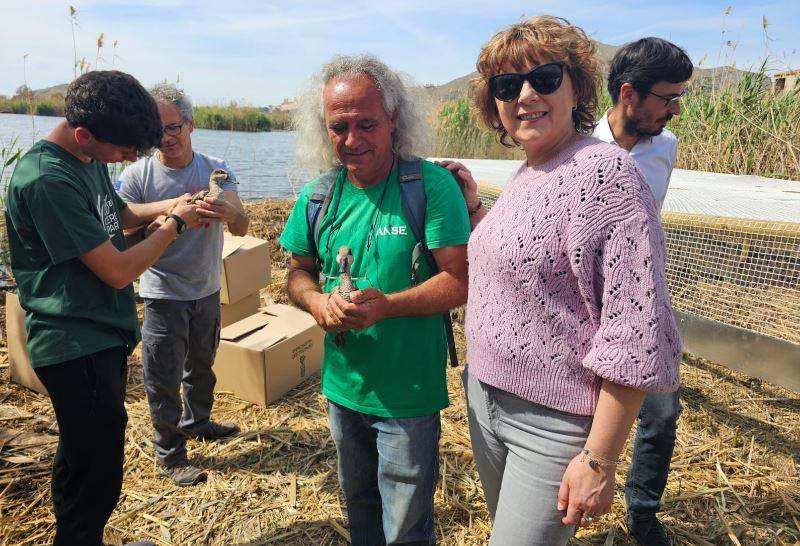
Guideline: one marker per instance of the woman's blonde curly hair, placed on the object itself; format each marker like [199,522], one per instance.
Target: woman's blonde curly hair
[540,39]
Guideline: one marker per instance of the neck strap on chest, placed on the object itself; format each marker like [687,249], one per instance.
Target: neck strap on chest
[414,202]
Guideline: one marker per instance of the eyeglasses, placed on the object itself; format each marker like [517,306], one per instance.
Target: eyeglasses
[671,99]
[545,79]
[173,129]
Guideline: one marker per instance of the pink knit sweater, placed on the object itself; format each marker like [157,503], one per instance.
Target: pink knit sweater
[566,283]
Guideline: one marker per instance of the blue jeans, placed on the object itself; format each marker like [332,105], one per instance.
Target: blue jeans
[652,452]
[388,469]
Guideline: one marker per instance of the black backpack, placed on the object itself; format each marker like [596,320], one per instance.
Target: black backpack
[412,192]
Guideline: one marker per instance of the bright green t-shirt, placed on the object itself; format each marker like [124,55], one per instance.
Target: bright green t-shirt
[396,367]
[57,208]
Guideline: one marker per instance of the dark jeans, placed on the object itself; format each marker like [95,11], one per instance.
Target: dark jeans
[88,396]
[652,452]
[388,469]
[179,342]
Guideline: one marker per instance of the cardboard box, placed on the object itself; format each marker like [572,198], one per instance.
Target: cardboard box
[267,354]
[245,267]
[234,312]
[16,341]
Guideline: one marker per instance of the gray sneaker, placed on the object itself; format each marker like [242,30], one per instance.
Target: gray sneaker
[214,431]
[184,474]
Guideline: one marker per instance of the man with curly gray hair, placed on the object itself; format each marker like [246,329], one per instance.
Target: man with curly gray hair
[386,347]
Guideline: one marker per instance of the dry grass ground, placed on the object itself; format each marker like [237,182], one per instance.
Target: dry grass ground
[735,478]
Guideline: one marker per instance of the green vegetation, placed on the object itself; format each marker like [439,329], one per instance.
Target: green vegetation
[741,129]
[458,133]
[231,117]
[737,128]
[8,154]
[25,102]
[239,118]
[49,107]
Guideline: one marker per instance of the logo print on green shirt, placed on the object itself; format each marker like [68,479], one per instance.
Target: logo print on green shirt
[108,215]
[391,230]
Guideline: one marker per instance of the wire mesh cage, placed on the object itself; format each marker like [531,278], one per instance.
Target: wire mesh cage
[744,273]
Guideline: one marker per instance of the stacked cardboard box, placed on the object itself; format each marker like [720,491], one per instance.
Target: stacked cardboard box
[245,271]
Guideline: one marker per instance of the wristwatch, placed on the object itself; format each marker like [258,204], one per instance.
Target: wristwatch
[180,221]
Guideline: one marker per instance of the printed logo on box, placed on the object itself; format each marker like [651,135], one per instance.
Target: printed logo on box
[299,351]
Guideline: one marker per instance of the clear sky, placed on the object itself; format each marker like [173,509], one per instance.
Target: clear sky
[259,52]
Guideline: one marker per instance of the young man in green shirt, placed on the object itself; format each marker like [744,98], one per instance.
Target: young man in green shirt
[386,349]
[74,272]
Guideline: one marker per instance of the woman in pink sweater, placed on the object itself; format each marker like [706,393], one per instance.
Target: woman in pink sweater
[568,318]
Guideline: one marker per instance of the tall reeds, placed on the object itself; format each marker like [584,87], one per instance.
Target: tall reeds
[231,118]
[9,153]
[238,118]
[741,129]
[457,133]
[738,127]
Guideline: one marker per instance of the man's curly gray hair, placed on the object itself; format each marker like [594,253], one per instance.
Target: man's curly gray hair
[168,93]
[313,147]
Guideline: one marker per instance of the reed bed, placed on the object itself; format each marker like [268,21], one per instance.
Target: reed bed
[228,118]
[239,118]
[735,477]
[735,127]
[41,107]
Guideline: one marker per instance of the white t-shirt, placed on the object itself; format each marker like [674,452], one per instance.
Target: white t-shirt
[655,156]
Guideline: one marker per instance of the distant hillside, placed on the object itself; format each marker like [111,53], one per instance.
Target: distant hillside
[430,96]
[48,92]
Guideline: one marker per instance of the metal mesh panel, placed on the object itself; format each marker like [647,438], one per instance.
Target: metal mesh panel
[744,273]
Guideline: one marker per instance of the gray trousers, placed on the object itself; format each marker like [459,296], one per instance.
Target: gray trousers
[179,342]
[522,450]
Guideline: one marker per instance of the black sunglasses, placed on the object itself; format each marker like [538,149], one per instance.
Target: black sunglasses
[545,79]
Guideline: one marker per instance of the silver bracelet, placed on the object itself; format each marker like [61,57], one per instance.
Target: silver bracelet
[595,461]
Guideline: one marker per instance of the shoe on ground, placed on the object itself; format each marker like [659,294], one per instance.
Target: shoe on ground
[141,543]
[184,474]
[647,530]
[214,431]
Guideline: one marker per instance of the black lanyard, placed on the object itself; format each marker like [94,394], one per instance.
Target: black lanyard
[375,217]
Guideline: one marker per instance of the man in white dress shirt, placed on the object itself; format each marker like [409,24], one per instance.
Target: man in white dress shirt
[646,81]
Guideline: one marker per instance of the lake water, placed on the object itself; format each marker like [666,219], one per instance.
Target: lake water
[263,162]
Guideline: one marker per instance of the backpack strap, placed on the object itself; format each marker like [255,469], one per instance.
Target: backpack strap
[318,203]
[415,203]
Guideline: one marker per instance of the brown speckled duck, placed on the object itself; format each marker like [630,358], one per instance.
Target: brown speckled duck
[344,258]
[214,189]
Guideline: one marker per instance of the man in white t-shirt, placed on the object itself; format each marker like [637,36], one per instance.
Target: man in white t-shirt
[646,81]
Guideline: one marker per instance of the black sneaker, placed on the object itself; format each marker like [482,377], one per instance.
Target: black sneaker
[214,431]
[647,530]
[184,474]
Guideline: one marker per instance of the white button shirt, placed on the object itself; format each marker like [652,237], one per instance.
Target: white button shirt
[655,156]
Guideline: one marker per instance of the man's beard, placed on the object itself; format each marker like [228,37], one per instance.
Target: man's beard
[633,126]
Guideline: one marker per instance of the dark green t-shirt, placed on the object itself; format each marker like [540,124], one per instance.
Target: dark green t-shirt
[395,368]
[57,208]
